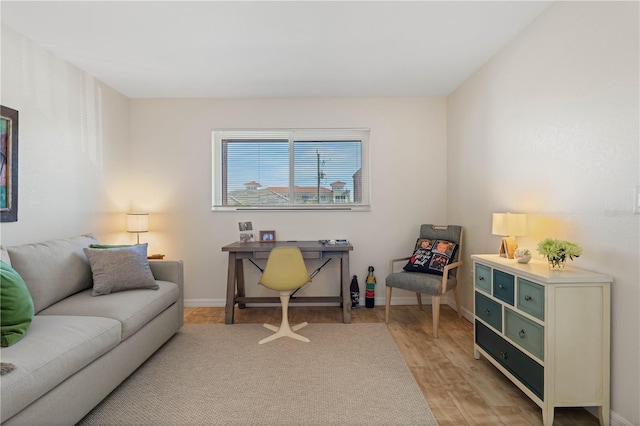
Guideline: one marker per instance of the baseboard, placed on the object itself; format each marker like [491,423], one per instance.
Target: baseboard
[615,418]
[379,301]
[204,303]
[220,303]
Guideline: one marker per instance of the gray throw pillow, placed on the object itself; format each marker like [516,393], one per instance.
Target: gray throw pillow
[119,269]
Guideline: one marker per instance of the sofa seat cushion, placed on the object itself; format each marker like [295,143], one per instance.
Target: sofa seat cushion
[53,349]
[133,308]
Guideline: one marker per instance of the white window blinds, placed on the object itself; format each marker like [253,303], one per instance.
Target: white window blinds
[291,169]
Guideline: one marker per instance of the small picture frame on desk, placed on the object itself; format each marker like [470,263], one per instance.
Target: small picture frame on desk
[246,231]
[267,236]
[245,226]
[246,237]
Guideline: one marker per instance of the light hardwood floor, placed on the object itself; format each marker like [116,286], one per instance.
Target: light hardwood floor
[460,390]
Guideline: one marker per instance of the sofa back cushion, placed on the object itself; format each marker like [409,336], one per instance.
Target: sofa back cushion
[4,256]
[53,270]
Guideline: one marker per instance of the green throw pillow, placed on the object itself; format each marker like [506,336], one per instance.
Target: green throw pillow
[16,306]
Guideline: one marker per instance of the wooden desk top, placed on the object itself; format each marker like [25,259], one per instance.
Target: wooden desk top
[303,245]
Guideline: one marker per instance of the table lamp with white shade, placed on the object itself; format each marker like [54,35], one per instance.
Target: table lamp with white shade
[137,223]
[510,226]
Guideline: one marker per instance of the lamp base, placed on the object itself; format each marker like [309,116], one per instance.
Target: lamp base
[508,246]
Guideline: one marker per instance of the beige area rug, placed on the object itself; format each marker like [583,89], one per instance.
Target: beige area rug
[349,374]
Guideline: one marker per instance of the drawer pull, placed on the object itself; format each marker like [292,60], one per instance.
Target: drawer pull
[527,297]
[487,312]
[480,278]
[521,334]
[504,355]
[500,286]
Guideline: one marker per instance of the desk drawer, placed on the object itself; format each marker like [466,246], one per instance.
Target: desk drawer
[524,332]
[265,255]
[531,298]
[525,369]
[503,286]
[483,278]
[311,254]
[489,311]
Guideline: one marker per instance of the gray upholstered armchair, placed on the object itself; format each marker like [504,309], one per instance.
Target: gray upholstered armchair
[428,281]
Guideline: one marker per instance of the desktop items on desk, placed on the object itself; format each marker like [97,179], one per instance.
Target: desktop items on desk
[333,241]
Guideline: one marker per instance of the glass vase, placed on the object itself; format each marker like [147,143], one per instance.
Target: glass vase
[557,264]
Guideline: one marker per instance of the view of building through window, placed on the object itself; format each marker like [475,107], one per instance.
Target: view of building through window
[285,172]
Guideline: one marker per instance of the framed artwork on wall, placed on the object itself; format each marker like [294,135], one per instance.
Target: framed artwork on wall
[8,164]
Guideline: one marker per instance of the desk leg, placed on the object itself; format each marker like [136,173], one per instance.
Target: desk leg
[240,281]
[231,288]
[345,283]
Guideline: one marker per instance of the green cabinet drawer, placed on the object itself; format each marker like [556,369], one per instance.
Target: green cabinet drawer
[525,369]
[524,332]
[483,277]
[503,286]
[531,298]
[489,311]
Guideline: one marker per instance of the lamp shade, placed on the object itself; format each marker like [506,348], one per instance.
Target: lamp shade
[509,224]
[137,222]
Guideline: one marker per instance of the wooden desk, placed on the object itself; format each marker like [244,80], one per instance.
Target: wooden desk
[310,250]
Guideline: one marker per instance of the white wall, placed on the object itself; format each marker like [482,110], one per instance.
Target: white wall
[549,127]
[73,146]
[171,142]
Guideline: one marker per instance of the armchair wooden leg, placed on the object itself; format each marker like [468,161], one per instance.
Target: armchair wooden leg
[435,305]
[456,296]
[387,305]
[419,297]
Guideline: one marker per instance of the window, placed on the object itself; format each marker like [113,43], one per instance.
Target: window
[291,169]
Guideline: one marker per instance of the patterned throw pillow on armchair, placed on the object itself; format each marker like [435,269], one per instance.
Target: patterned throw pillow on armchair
[431,256]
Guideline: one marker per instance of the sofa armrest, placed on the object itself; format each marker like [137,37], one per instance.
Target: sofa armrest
[172,271]
[168,270]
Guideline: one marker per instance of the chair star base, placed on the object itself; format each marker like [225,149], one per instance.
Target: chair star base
[283,331]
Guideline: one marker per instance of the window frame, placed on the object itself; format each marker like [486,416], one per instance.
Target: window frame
[292,136]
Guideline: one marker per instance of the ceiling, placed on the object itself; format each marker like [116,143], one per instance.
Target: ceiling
[239,49]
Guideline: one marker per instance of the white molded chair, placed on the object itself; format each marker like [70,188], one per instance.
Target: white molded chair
[285,272]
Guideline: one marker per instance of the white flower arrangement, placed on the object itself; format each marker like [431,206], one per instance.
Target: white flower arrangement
[557,251]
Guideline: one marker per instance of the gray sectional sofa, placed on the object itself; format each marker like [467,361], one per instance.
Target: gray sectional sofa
[80,347]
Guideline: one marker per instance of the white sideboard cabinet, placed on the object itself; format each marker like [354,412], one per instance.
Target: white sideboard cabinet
[547,331]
